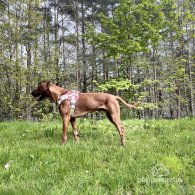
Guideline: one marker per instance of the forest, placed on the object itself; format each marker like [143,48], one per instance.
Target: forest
[142,50]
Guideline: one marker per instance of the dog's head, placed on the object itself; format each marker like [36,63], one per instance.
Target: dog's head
[45,90]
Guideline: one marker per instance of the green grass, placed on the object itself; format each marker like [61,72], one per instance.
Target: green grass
[159,158]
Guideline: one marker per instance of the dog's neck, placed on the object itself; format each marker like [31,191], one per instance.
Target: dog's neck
[56,92]
[62,91]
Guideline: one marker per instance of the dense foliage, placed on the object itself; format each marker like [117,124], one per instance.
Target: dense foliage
[142,50]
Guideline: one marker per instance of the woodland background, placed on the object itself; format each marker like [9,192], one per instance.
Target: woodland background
[142,50]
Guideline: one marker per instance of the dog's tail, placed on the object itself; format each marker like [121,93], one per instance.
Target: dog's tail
[131,106]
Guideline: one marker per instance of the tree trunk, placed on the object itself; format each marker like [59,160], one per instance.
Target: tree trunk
[78,65]
[84,87]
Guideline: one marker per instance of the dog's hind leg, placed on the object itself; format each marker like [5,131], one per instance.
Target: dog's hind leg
[114,118]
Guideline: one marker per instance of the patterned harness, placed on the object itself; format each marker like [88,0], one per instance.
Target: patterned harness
[72,96]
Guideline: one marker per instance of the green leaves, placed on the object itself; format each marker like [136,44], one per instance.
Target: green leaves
[130,29]
[116,84]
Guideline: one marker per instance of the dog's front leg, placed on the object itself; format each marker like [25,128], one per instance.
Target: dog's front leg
[65,113]
[74,128]
[66,120]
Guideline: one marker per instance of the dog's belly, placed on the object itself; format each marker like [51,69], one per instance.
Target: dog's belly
[81,111]
[88,102]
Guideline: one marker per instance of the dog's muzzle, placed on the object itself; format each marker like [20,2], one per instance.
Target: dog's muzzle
[38,96]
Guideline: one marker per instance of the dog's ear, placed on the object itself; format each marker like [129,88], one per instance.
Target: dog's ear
[48,83]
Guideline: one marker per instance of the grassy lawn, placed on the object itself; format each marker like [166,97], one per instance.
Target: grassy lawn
[159,158]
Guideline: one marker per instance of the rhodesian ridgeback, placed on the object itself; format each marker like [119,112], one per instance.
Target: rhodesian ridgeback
[73,104]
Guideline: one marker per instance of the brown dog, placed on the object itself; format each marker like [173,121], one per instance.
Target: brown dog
[86,102]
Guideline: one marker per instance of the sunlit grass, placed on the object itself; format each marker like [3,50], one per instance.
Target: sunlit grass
[97,164]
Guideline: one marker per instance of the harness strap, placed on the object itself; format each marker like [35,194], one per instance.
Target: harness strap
[72,96]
